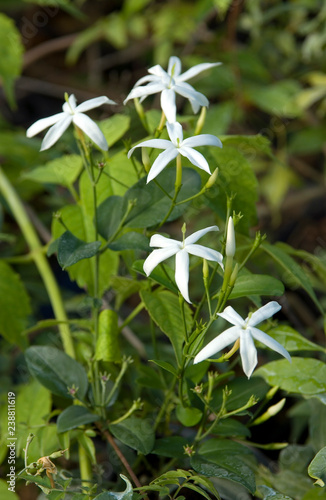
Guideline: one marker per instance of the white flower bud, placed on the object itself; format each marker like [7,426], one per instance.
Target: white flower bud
[230,239]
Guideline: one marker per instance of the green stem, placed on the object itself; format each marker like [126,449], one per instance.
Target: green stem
[40,260]
[132,315]
[85,467]
[177,187]
[165,403]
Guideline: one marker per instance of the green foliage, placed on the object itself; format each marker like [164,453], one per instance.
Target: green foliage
[56,371]
[12,56]
[136,433]
[110,495]
[75,416]
[14,304]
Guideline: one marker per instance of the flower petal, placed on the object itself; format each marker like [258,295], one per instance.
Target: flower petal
[91,130]
[157,70]
[43,123]
[202,140]
[174,66]
[195,70]
[195,158]
[151,88]
[156,257]
[248,352]
[269,342]
[161,162]
[264,312]
[205,253]
[198,234]
[232,316]
[157,240]
[189,92]
[93,103]
[152,143]
[55,132]
[216,345]
[168,104]
[175,133]
[147,79]
[182,273]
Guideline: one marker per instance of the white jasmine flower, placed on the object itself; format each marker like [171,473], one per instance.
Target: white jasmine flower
[244,330]
[181,250]
[71,113]
[170,83]
[175,146]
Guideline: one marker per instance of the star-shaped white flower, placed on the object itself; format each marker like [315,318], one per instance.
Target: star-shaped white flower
[71,113]
[244,330]
[181,250]
[175,146]
[170,83]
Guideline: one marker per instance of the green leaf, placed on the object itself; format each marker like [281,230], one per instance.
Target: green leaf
[121,173]
[226,467]
[293,340]
[241,390]
[63,171]
[171,447]
[56,371]
[152,204]
[231,428]
[165,365]
[130,241]
[109,215]
[270,494]
[304,375]
[317,467]
[215,447]
[236,177]
[5,493]
[75,416]
[256,284]
[71,249]
[134,432]
[111,495]
[164,309]
[107,345]
[114,128]
[248,144]
[293,274]
[14,306]
[88,444]
[81,225]
[11,60]
[188,416]
[31,415]
[276,98]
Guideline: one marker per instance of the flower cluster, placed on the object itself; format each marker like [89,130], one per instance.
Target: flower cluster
[168,84]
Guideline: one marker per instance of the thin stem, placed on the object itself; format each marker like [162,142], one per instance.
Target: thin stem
[119,453]
[165,403]
[132,315]
[177,187]
[36,252]
[85,467]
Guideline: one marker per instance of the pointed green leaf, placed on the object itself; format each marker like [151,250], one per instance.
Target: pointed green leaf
[135,432]
[109,215]
[11,61]
[293,340]
[256,284]
[158,275]
[317,467]
[56,371]
[75,416]
[236,177]
[171,447]
[14,306]
[304,375]
[63,171]
[152,204]
[226,467]
[165,365]
[71,249]
[130,241]
[270,494]
[293,273]
[114,128]
[188,416]
[164,309]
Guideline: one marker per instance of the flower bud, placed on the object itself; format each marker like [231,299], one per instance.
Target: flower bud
[230,239]
[211,181]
